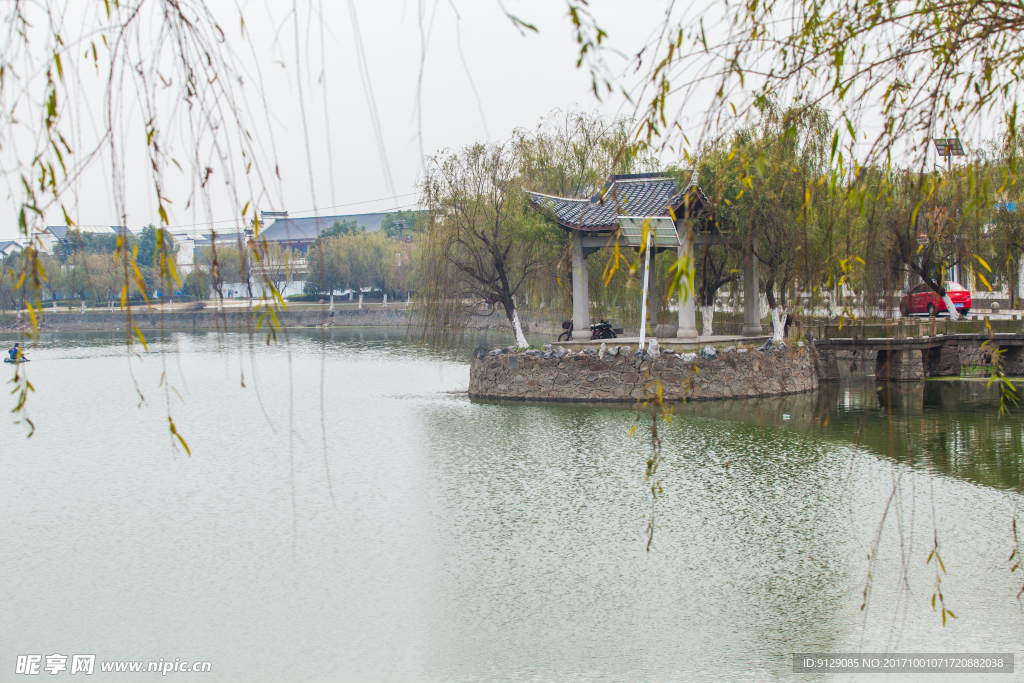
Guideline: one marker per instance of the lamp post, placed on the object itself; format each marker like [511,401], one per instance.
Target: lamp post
[660,232]
[949,148]
[643,301]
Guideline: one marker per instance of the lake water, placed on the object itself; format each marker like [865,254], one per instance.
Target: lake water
[349,515]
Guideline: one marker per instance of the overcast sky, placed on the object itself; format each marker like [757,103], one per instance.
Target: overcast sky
[519,79]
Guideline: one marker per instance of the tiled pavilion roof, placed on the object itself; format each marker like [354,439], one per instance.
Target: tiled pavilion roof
[639,194]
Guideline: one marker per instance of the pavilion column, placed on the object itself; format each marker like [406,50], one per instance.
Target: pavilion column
[580,288]
[752,294]
[687,309]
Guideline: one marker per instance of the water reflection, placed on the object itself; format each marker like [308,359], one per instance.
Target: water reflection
[541,512]
[474,541]
[953,427]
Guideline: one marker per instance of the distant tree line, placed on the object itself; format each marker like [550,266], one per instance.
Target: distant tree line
[85,267]
[824,232]
[821,231]
[341,261]
[343,257]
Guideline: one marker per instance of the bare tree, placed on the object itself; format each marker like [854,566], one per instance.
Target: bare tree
[482,242]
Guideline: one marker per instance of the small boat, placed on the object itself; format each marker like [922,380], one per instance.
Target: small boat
[12,361]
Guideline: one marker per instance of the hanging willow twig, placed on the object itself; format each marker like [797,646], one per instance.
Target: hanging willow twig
[63,67]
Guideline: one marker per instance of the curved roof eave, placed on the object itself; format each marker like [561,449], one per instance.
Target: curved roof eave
[657,191]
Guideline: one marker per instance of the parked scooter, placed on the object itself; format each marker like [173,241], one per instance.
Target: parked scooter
[602,330]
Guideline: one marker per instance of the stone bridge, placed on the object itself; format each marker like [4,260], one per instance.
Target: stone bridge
[911,359]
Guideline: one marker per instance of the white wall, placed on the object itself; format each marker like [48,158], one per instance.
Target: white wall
[241,291]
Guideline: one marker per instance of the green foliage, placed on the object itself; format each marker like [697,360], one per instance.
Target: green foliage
[260,267]
[197,283]
[478,210]
[390,225]
[756,180]
[147,243]
[9,266]
[571,153]
[78,242]
[355,261]
[225,265]
[342,228]
[85,265]
[94,278]
[894,75]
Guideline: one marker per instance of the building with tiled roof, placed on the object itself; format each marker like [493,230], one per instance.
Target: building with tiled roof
[8,247]
[594,223]
[61,231]
[299,233]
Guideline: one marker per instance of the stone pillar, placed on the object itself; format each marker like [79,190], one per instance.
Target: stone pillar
[826,362]
[899,366]
[580,288]
[942,361]
[752,292]
[688,310]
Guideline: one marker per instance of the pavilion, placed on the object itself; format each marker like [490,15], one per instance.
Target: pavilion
[593,223]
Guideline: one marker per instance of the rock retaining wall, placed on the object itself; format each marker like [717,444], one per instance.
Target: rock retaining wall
[625,376]
[974,354]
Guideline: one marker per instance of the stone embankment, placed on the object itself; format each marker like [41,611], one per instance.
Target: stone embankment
[619,374]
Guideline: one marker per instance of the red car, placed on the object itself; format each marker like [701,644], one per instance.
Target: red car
[922,299]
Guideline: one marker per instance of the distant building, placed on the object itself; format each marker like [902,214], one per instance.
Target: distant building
[48,238]
[8,247]
[61,231]
[191,240]
[291,234]
[44,240]
[299,233]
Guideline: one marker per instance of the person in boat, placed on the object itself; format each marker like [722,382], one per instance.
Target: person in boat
[14,353]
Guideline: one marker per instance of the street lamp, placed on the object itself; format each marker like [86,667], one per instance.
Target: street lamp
[949,148]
